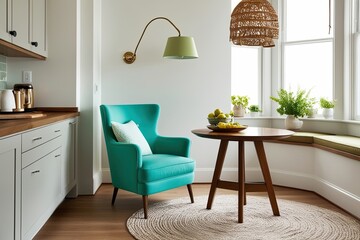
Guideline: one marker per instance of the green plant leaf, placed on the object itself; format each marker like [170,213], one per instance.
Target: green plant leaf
[297,104]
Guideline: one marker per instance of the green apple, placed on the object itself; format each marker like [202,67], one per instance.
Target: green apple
[217,112]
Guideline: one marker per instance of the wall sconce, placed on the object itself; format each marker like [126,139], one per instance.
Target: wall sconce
[254,23]
[179,47]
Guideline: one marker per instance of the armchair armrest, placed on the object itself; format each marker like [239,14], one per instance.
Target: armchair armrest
[172,145]
[124,161]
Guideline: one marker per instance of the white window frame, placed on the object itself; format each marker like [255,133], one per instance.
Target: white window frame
[356,57]
[286,43]
[344,69]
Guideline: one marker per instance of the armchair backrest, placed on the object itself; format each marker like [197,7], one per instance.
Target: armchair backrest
[146,116]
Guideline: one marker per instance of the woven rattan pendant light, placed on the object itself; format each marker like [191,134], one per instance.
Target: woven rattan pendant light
[254,23]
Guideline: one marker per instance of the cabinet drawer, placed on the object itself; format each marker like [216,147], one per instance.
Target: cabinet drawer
[39,136]
[40,191]
[32,156]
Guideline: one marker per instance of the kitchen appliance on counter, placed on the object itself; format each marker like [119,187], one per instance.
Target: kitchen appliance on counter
[24,96]
[7,100]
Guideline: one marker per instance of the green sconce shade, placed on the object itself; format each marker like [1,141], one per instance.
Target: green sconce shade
[180,47]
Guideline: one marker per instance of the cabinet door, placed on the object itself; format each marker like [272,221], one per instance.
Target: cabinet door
[9,187]
[38,28]
[40,192]
[69,166]
[20,23]
[4,19]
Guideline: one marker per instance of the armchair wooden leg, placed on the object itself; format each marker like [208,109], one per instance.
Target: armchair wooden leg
[190,193]
[114,195]
[145,204]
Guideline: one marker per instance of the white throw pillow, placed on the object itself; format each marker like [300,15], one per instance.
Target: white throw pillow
[130,133]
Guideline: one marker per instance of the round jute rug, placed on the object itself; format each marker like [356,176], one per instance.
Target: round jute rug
[179,219]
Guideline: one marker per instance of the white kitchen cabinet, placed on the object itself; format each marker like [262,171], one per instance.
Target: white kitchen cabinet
[4,16]
[10,167]
[37,171]
[23,28]
[38,28]
[41,191]
[48,172]
[69,164]
[41,176]
[19,24]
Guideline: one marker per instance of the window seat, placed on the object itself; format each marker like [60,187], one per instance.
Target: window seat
[345,145]
[327,164]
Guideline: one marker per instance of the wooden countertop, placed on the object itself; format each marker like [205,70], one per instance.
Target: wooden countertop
[52,115]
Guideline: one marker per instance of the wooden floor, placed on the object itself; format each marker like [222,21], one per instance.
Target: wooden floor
[93,217]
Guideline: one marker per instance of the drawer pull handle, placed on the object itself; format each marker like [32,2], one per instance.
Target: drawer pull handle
[57,131]
[58,155]
[36,171]
[38,138]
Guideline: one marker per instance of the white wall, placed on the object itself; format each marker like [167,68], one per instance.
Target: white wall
[187,90]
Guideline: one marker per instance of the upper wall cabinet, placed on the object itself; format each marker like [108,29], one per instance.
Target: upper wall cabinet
[23,28]
[4,17]
[19,24]
[38,30]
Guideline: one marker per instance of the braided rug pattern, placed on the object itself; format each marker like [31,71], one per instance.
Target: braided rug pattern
[179,219]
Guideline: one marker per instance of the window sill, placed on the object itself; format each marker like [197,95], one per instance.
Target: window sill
[302,119]
[331,126]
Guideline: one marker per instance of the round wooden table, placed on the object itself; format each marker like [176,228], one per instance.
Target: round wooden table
[253,134]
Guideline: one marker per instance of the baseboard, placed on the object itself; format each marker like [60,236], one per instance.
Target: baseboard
[339,196]
[293,179]
[97,180]
[106,177]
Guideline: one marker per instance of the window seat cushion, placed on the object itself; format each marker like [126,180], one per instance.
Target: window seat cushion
[303,137]
[345,143]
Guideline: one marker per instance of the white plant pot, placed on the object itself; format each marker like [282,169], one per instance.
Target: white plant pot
[328,113]
[293,123]
[239,111]
[254,114]
[312,113]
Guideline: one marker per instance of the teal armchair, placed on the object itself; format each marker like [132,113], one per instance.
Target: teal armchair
[169,165]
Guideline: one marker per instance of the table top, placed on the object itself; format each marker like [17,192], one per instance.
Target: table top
[249,134]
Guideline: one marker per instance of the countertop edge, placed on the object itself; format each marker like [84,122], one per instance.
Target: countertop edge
[13,127]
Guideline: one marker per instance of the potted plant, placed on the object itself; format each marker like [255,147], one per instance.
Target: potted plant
[294,105]
[312,110]
[240,104]
[254,110]
[328,107]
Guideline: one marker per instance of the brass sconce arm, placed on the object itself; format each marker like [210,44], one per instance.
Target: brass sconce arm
[130,57]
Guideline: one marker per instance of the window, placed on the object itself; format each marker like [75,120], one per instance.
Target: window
[307,55]
[357,62]
[246,70]
[245,76]
[307,47]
